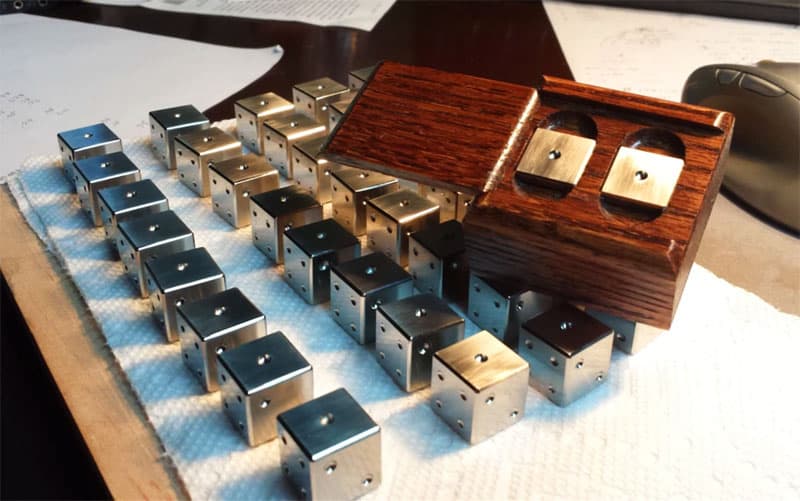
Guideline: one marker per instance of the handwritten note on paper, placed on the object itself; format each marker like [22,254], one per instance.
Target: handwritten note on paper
[652,53]
[59,75]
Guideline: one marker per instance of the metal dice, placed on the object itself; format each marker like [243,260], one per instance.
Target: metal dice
[259,380]
[555,159]
[569,353]
[146,238]
[276,211]
[251,113]
[195,150]
[313,98]
[209,326]
[338,108]
[360,286]
[311,172]
[629,337]
[86,142]
[478,386]
[128,201]
[330,448]
[452,204]
[102,171]
[357,78]
[178,279]
[350,190]
[234,181]
[167,123]
[409,332]
[309,253]
[392,217]
[642,178]
[280,134]
[437,262]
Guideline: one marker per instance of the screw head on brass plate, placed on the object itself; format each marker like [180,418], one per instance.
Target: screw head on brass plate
[555,157]
[642,177]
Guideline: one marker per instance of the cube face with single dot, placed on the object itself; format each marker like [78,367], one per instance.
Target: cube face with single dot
[478,386]
[313,98]
[98,172]
[86,142]
[280,134]
[452,204]
[357,78]
[252,111]
[629,337]
[209,326]
[569,353]
[501,307]
[437,261]
[196,150]
[338,109]
[360,286]
[178,279]
[310,171]
[259,380]
[351,189]
[167,123]
[642,178]
[150,237]
[274,212]
[128,201]
[392,217]
[409,332]
[309,253]
[330,448]
[233,181]
[555,159]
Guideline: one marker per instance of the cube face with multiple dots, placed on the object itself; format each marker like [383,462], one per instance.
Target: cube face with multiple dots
[351,189]
[98,172]
[310,171]
[338,109]
[251,112]
[330,448]
[313,98]
[394,216]
[452,204]
[234,181]
[629,337]
[196,150]
[409,332]
[437,261]
[179,279]
[280,134]
[128,201]
[259,380]
[209,326]
[478,386]
[569,353]
[167,123]
[86,142]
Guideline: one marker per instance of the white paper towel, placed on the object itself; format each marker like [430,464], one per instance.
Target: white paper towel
[709,410]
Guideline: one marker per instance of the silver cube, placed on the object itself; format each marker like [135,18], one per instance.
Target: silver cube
[251,113]
[478,386]
[216,323]
[167,123]
[280,134]
[394,216]
[86,142]
[330,448]
[178,279]
[360,286]
[409,332]
[98,172]
[128,201]
[233,181]
[144,239]
[629,337]
[310,171]
[569,353]
[196,150]
[338,109]
[259,380]
[351,189]
[312,98]
[357,78]
[452,204]
[274,212]
[437,261]
[309,253]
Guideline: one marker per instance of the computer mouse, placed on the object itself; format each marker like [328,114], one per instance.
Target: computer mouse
[763,167]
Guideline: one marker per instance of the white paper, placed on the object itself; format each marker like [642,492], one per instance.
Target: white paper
[59,75]
[360,14]
[653,53]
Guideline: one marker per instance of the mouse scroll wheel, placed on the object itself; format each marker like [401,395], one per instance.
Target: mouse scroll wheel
[726,76]
[761,86]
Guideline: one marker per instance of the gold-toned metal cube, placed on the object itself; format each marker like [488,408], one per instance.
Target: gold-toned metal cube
[642,177]
[338,108]
[452,204]
[313,98]
[280,134]
[310,171]
[555,159]
[251,112]
[195,150]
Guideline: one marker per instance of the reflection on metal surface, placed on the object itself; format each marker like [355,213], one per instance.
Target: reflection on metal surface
[252,111]
[280,134]
[313,98]
[350,190]
[643,177]
[394,216]
[273,212]
[234,180]
[167,123]
[555,158]
[196,150]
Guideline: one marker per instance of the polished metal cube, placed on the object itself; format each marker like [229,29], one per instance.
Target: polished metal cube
[280,134]
[194,152]
[479,386]
[629,337]
[569,353]
[409,331]
[233,181]
[98,172]
[313,98]
[555,159]
[149,237]
[642,178]
[338,109]
[310,171]
[211,325]
[274,212]
[351,189]
[452,204]
[259,380]
[128,201]
[360,286]
[167,123]
[86,142]
[394,216]
[437,261]
[178,279]
[501,307]
[357,78]
[309,253]
[330,448]
[251,112]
